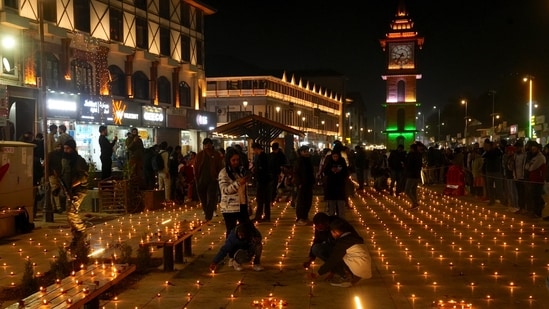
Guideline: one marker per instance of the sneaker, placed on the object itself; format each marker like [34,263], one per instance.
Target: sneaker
[236,266]
[301,222]
[513,209]
[341,282]
[415,206]
[258,267]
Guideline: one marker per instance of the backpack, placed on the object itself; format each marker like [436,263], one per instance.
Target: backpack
[158,161]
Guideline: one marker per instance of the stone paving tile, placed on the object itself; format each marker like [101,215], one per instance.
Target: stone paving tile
[447,250]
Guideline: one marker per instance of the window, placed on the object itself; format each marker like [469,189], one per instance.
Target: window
[82,15]
[82,76]
[165,41]
[11,4]
[199,20]
[141,33]
[401,119]
[117,81]
[50,10]
[184,94]
[199,53]
[51,68]
[164,8]
[401,91]
[116,24]
[185,15]
[140,83]
[141,4]
[185,48]
[164,90]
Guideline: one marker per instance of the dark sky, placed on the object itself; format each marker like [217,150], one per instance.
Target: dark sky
[471,47]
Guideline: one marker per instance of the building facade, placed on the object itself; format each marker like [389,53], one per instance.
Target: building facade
[298,104]
[121,63]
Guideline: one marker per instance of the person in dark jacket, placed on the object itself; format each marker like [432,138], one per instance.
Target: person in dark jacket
[262,177]
[345,237]
[412,168]
[106,152]
[336,172]
[493,170]
[277,159]
[242,245]
[396,160]
[323,242]
[304,178]
[74,177]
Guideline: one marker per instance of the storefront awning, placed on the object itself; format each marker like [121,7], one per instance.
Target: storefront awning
[257,128]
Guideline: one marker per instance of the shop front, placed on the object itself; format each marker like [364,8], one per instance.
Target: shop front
[153,120]
[93,112]
[62,109]
[177,130]
[200,124]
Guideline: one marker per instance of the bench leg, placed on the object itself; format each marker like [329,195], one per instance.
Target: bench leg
[168,258]
[179,253]
[92,304]
[187,243]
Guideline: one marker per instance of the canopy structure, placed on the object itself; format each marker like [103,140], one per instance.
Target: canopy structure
[257,128]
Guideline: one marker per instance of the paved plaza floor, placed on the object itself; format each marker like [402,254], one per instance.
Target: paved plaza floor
[452,252]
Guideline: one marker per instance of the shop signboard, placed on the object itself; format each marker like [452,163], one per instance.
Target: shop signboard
[126,113]
[95,110]
[153,116]
[201,120]
[64,106]
[176,118]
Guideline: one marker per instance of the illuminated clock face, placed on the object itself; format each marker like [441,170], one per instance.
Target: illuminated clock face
[401,54]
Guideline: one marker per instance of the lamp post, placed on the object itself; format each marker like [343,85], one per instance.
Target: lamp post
[277,113]
[361,135]
[298,116]
[348,116]
[493,94]
[464,102]
[529,79]
[438,110]
[245,104]
[323,123]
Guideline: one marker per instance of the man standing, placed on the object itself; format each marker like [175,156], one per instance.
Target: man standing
[134,145]
[396,167]
[535,168]
[277,159]
[207,166]
[361,166]
[412,168]
[164,182]
[261,172]
[74,175]
[51,139]
[63,135]
[106,152]
[304,178]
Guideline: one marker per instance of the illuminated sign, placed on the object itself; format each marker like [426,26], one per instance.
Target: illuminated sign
[201,120]
[153,115]
[61,105]
[97,111]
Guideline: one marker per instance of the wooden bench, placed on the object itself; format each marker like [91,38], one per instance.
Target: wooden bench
[81,289]
[181,244]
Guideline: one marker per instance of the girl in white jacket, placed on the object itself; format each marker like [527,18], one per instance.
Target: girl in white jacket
[234,195]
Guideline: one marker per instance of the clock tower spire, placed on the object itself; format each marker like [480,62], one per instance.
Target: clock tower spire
[401,44]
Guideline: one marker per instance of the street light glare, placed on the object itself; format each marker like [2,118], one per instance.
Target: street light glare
[8,42]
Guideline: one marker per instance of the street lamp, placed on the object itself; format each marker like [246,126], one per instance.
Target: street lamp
[277,113]
[438,110]
[245,104]
[529,79]
[493,94]
[464,102]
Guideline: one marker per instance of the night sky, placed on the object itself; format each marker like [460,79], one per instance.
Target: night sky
[471,47]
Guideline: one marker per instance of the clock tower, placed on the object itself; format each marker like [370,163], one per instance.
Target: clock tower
[401,45]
